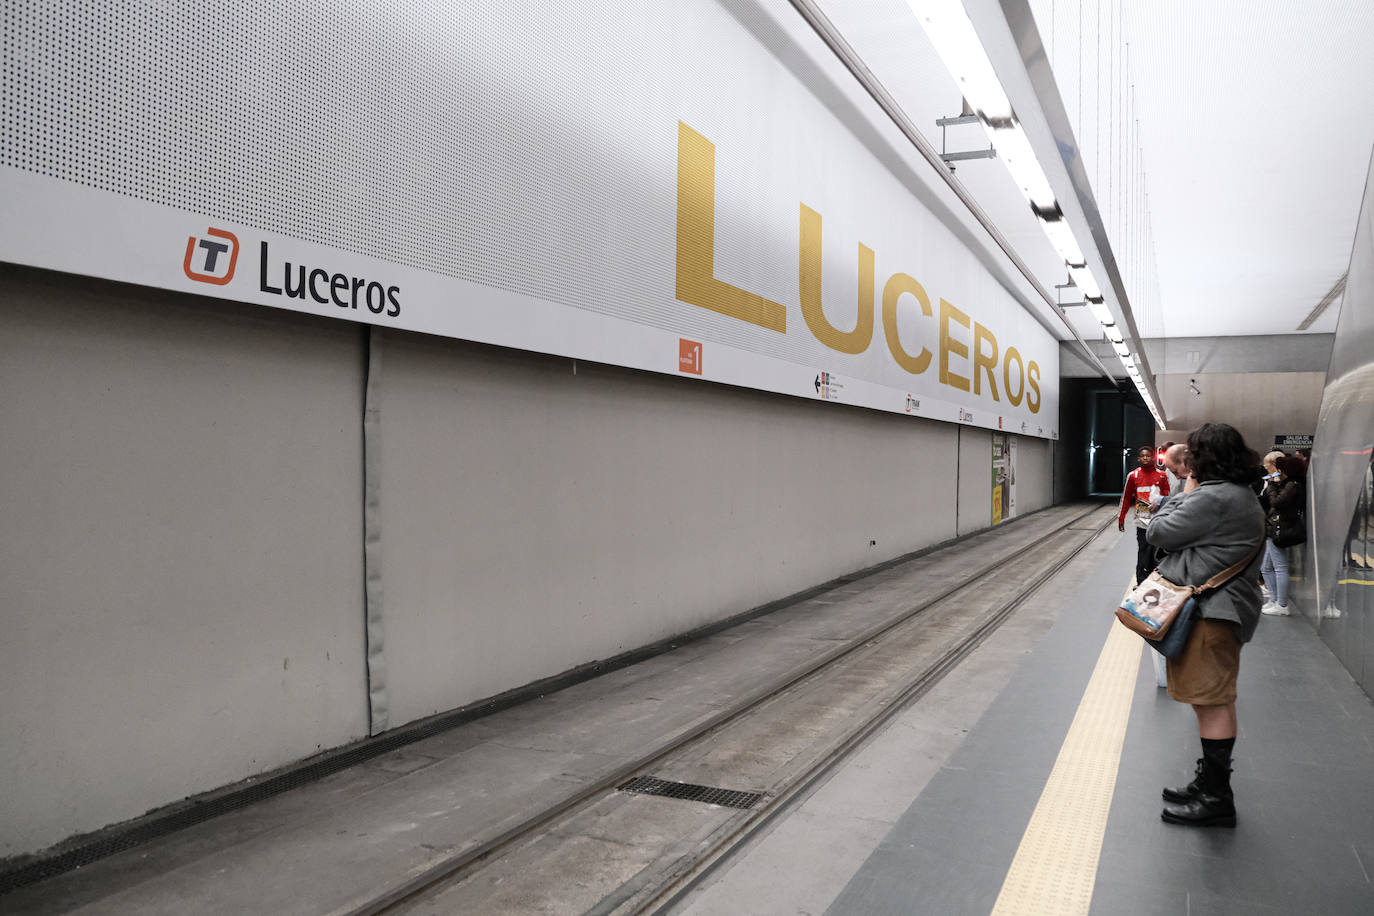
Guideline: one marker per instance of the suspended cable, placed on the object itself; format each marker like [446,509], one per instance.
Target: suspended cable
[1097,98]
[1078,130]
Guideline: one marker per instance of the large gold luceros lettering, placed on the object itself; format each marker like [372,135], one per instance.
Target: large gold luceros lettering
[697,285]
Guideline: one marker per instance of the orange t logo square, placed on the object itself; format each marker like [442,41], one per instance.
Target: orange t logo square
[217,260]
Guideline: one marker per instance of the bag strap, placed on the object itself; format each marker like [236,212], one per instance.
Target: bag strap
[1229,572]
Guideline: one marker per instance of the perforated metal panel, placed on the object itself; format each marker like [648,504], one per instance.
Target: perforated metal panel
[447,139]
[524,147]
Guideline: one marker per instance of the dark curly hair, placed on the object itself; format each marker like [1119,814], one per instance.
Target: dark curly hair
[1219,452]
[1293,466]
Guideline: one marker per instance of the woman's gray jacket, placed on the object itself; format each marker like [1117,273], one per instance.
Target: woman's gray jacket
[1206,531]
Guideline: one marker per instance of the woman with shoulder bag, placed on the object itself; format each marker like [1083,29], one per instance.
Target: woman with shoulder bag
[1282,502]
[1215,524]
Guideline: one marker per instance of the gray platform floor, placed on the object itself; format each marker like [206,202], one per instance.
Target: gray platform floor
[926,819]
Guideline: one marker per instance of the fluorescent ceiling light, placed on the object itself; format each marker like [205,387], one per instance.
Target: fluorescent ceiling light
[1014,149]
[949,30]
[1084,280]
[1061,237]
[1100,312]
[1113,333]
[1121,349]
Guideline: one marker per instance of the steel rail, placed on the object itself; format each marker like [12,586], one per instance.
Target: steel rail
[452,866]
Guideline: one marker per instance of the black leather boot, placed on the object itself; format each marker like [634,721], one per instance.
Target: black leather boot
[1202,810]
[1185,793]
[1211,804]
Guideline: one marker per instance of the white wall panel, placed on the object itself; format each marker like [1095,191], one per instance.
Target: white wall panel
[975,479]
[534,519]
[180,581]
[1034,474]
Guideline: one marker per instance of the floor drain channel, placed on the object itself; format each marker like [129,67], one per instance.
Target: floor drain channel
[730,798]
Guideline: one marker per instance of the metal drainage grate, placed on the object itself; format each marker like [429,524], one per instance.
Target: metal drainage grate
[730,798]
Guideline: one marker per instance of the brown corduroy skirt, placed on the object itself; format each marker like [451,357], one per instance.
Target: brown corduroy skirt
[1205,674]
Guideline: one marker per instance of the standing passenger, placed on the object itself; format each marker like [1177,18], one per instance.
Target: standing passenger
[1215,524]
[1144,486]
[1176,462]
[1271,476]
[1306,455]
[1282,502]
[1175,484]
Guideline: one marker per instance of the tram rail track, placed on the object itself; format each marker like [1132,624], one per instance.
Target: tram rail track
[683,868]
[675,891]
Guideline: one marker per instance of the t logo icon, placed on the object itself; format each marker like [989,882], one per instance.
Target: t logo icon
[212,257]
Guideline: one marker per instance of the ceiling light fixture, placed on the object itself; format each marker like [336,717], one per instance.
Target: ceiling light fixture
[958,45]
[1014,149]
[1084,280]
[1061,237]
[1100,311]
[955,40]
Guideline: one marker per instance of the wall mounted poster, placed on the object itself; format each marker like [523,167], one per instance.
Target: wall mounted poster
[1003,477]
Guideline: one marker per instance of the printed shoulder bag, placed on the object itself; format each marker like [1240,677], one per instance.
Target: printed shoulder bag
[1153,606]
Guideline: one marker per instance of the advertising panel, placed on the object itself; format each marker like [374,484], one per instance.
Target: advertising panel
[1003,478]
[646,185]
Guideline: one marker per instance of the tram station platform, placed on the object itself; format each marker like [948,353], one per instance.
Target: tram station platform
[1025,780]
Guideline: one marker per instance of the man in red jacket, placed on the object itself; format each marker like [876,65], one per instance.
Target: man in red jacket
[1144,486]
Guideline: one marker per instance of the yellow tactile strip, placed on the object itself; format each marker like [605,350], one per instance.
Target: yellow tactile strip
[1056,864]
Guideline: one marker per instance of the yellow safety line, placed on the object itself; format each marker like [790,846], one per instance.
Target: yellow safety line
[1056,864]
[1355,581]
